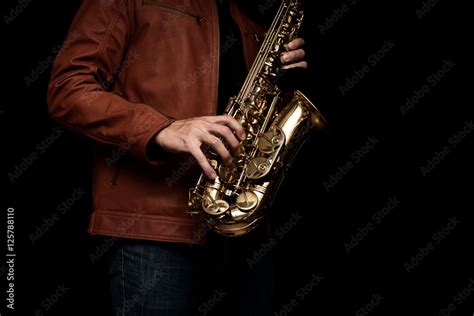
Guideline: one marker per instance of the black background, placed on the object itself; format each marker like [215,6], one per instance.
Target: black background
[376,266]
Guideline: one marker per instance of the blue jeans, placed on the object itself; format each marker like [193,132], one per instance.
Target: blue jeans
[157,278]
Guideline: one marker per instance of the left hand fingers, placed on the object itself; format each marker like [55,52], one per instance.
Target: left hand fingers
[295,44]
[292,56]
[301,64]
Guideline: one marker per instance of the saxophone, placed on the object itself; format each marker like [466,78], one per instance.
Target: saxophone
[276,124]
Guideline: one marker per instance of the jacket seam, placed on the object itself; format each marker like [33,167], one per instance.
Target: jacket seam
[151,236]
[113,232]
[158,218]
[108,33]
[157,124]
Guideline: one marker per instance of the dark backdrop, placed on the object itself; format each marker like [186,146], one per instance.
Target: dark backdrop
[384,193]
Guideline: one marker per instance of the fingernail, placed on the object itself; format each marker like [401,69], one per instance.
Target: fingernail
[243,136]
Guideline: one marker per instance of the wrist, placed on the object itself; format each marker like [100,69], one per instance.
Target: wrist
[155,150]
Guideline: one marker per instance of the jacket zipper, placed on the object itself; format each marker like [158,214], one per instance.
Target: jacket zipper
[174,9]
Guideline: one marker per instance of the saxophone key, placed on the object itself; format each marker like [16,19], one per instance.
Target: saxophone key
[270,141]
[228,174]
[246,201]
[257,168]
[215,207]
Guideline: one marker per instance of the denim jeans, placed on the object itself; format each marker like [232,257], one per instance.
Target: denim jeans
[220,278]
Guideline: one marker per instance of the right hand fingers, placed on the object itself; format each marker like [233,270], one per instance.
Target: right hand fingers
[230,122]
[202,161]
[189,135]
[227,135]
[219,147]
[220,126]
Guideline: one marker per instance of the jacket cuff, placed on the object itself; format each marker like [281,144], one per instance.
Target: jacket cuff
[147,128]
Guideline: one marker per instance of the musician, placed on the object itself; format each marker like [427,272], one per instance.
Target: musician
[144,80]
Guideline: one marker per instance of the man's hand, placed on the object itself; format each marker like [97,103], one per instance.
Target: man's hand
[187,136]
[293,58]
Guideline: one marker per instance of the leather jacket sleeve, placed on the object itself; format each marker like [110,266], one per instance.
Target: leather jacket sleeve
[80,96]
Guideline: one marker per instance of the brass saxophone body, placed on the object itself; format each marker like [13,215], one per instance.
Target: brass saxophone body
[276,124]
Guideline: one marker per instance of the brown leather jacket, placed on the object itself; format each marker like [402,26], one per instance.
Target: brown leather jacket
[128,69]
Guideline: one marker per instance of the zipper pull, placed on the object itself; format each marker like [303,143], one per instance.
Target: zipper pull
[199,18]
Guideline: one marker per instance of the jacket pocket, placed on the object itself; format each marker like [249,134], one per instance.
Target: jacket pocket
[172,8]
[115,172]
